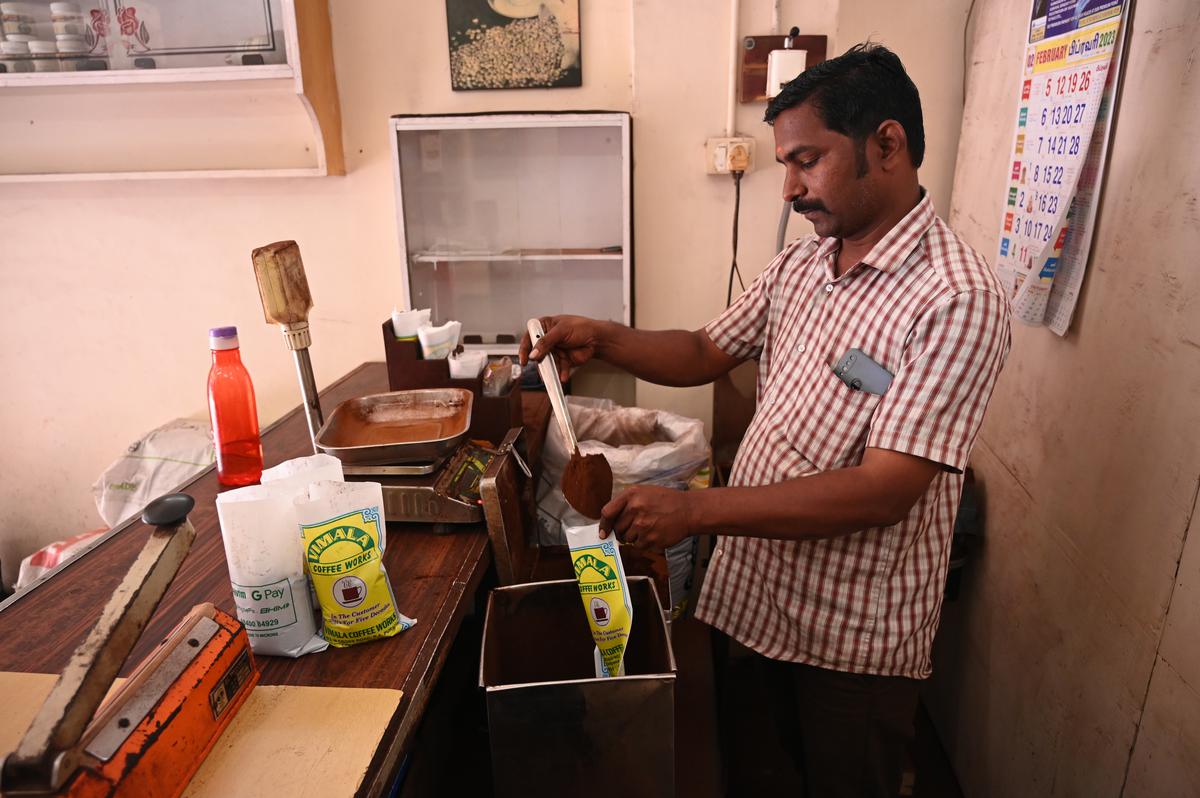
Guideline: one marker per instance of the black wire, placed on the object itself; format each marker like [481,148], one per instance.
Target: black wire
[733,267]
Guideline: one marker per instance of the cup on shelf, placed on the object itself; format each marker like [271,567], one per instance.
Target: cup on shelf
[72,50]
[15,56]
[44,55]
[254,51]
[18,20]
[67,20]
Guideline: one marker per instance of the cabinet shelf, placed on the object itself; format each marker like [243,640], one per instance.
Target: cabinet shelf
[495,257]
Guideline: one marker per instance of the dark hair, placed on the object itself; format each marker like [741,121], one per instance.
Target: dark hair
[855,93]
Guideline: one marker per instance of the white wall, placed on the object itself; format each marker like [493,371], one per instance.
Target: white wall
[684,241]
[928,37]
[1060,671]
[684,217]
[107,289]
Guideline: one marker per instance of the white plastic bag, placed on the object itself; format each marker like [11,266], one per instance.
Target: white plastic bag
[49,557]
[643,447]
[439,342]
[266,570]
[405,323]
[297,474]
[160,462]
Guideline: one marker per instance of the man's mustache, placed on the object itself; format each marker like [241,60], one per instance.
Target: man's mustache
[800,206]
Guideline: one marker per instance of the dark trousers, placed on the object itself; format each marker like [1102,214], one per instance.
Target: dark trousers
[846,733]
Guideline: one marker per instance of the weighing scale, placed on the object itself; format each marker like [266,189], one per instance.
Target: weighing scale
[442,492]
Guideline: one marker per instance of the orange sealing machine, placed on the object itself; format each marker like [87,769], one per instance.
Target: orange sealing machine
[150,737]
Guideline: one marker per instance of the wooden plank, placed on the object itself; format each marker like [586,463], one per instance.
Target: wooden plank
[318,84]
[302,742]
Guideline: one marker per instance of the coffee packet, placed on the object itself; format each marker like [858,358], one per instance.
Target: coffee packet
[342,529]
[605,593]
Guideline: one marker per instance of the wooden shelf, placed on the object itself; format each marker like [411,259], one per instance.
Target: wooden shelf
[272,120]
[132,77]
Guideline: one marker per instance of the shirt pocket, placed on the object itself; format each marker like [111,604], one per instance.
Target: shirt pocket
[832,421]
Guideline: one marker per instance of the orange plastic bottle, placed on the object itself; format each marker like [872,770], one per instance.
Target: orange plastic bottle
[232,411]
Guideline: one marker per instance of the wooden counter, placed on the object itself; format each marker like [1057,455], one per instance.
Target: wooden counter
[435,578]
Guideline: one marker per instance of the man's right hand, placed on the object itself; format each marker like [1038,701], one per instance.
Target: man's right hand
[574,340]
[664,357]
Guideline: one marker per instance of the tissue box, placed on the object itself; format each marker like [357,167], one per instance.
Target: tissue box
[491,417]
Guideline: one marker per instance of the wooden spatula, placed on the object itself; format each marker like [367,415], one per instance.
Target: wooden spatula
[587,480]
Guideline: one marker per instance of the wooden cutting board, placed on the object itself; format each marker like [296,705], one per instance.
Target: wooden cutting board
[293,741]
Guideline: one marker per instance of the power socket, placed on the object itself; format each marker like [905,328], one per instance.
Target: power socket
[728,154]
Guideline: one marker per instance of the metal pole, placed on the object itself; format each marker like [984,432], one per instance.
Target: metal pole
[308,390]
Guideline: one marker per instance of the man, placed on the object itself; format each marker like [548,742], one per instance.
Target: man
[835,531]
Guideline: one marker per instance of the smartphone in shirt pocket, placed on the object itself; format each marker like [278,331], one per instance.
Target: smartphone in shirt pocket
[861,373]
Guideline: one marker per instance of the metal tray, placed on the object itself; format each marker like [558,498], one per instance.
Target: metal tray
[418,426]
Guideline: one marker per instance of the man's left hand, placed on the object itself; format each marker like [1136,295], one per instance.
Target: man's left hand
[649,517]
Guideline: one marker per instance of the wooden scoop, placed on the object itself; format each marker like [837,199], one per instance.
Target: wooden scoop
[587,480]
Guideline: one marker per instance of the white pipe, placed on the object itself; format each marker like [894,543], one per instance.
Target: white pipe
[735,47]
[776,13]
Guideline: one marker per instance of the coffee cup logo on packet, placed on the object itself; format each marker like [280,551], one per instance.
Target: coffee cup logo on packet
[342,529]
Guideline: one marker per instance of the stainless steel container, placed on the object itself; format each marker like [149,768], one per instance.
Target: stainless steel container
[396,428]
[555,728]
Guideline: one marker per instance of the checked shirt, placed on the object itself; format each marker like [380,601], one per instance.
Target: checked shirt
[928,309]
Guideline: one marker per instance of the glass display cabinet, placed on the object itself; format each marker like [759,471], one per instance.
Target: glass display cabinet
[116,35]
[167,88]
[503,217]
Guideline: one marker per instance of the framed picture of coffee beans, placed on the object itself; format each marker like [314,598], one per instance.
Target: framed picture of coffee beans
[514,44]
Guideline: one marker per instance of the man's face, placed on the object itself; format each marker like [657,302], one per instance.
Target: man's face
[829,181]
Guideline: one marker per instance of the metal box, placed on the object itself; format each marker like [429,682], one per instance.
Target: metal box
[555,728]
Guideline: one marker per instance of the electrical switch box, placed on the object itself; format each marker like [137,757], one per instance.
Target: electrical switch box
[729,154]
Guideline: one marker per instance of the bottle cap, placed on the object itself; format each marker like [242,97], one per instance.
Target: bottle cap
[222,338]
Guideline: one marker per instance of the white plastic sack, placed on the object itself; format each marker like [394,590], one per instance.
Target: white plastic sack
[643,447]
[297,474]
[266,570]
[49,557]
[157,464]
